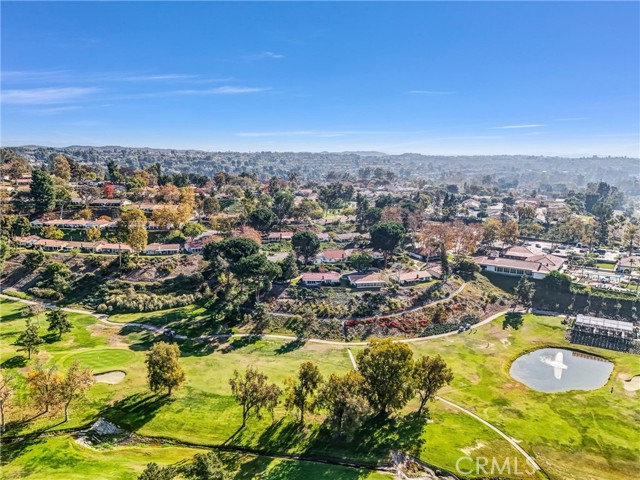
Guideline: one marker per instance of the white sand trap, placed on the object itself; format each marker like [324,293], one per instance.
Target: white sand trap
[632,384]
[467,451]
[113,377]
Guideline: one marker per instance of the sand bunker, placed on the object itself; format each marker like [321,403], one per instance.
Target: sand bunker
[632,384]
[113,377]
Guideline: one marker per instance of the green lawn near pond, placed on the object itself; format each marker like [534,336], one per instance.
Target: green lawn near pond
[578,434]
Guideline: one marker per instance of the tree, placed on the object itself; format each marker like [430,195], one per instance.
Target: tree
[20,227]
[386,237]
[263,219]
[4,254]
[192,229]
[210,205]
[253,393]
[341,396]
[74,385]
[42,191]
[466,267]
[33,310]
[44,387]
[155,472]
[430,374]
[444,262]
[283,203]
[206,466]
[509,233]
[492,228]
[5,393]
[361,260]
[256,270]
[306,244]
[300,391]
[524,292]
[29,339]
[387,368]
[34,259]
[232,249]
[261,318]
[61,168]
[163,367]
[52,232]
[131,228]
[94,234]
[289,267]
[58,322]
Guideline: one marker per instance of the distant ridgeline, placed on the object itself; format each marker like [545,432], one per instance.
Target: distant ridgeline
[505,171]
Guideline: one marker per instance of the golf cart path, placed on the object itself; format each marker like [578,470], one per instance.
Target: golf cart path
[513,443]
[104,319]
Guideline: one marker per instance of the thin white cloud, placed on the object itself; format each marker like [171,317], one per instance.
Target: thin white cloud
[264,55]
[427,93]
[39,96]
[531,125]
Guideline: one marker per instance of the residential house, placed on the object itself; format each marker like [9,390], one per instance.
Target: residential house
[278,237]
[162,249]
[535,266]
[412,276]
[113,248]
[332,256]
[317,279]
[367,280]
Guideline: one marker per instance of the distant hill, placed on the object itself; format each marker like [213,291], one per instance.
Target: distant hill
[523,171]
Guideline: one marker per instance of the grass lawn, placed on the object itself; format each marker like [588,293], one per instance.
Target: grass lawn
[579,434]
[608,266]
[62,458]
[575,434]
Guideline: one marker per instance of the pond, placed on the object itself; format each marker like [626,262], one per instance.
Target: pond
[559,370]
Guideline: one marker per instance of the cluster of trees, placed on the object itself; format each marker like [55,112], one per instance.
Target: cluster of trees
[30,339]
[386,380]
[48,388]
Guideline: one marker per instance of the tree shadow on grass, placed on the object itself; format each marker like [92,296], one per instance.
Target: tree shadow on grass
[513,320]
[11,316]
[290,346]
[13,450]
[377,437]
[17,361]
[136,410]
[287,469]
[197,348]
[240,342]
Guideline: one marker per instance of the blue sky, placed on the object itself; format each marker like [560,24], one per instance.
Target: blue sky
[435,78]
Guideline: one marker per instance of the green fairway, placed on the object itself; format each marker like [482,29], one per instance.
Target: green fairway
[584,434]
[573,433]
[61,458]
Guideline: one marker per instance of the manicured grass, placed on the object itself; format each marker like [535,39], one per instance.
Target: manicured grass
[573,434]
[579,434]
[62,458]
[608,266]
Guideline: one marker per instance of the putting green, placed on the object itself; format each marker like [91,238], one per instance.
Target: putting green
[102,359]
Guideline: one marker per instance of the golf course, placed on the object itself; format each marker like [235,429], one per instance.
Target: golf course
[576,434]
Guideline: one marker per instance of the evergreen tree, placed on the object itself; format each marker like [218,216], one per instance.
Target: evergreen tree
[42,191]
